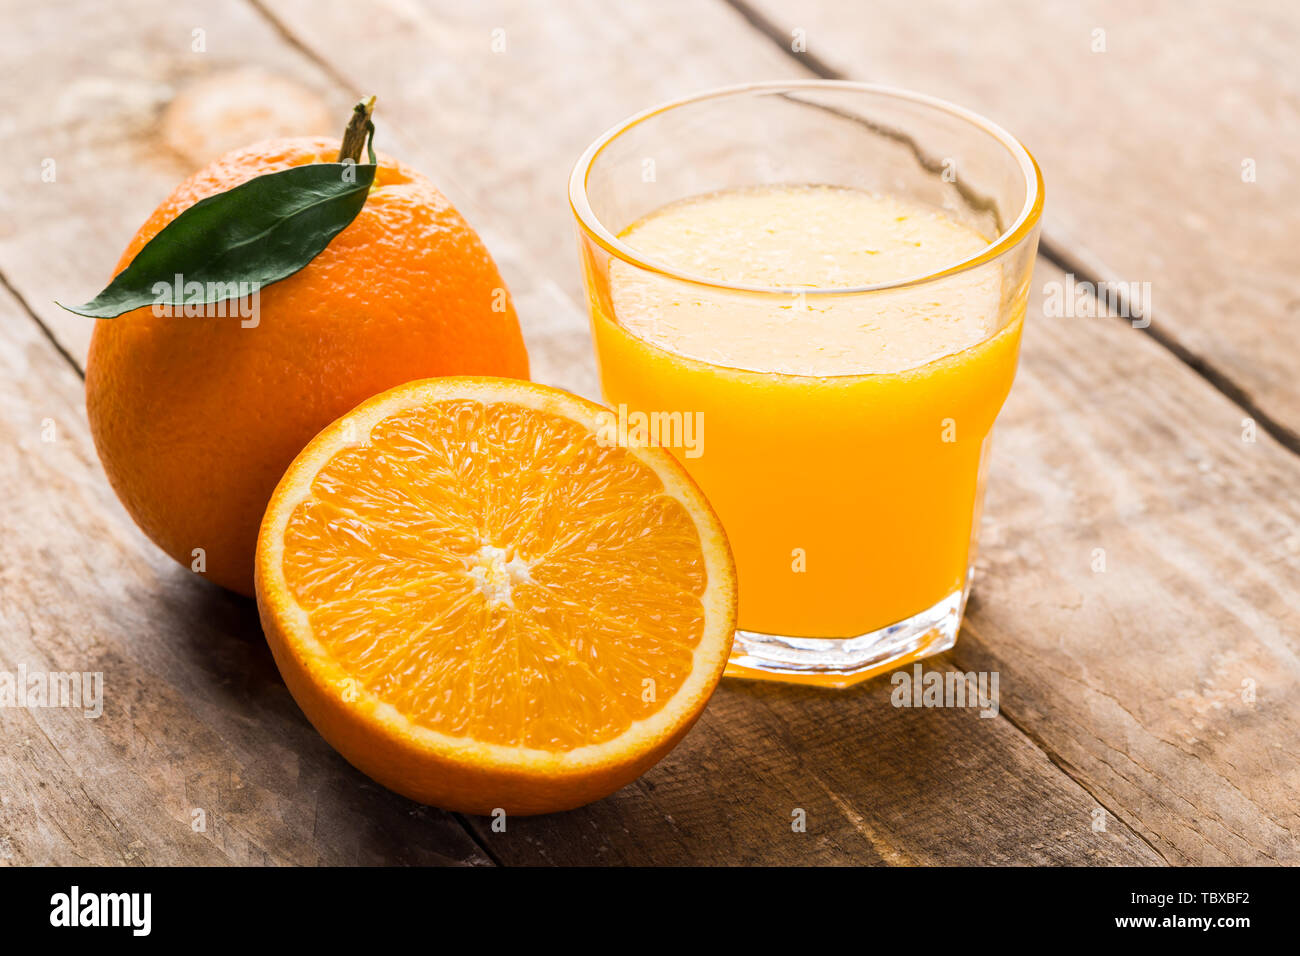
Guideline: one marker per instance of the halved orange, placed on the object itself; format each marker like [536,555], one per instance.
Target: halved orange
[483,604]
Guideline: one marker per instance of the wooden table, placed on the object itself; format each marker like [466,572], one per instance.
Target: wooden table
[1149,711]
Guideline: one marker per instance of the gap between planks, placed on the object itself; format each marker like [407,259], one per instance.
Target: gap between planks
[1057,760]
[8,286]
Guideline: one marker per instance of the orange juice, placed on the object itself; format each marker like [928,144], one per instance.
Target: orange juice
[840,437]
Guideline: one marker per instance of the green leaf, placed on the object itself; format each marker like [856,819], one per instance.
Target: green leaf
[257,233]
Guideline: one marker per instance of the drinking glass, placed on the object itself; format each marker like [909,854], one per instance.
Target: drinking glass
[852,501]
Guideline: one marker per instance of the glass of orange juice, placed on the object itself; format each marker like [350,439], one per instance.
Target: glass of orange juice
[812,293]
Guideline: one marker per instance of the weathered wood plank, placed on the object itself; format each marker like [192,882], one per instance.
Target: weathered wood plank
[1168,133]
[875,784]
[172,645]
[1108,442]
[1139,591]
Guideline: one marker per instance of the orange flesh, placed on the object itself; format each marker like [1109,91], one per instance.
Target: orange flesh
[492,571]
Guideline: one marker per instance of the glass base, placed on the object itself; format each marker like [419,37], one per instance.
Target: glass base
[842,662]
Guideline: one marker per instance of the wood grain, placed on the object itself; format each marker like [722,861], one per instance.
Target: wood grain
[1142,116]
[1139,591]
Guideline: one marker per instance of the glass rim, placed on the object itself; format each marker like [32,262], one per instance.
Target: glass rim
[1010,237]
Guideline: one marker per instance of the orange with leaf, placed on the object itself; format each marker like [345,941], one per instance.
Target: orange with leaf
[195,418]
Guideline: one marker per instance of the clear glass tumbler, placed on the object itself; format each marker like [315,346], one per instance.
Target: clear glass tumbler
[852,501]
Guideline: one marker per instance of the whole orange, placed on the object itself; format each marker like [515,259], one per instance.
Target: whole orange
[196,419]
